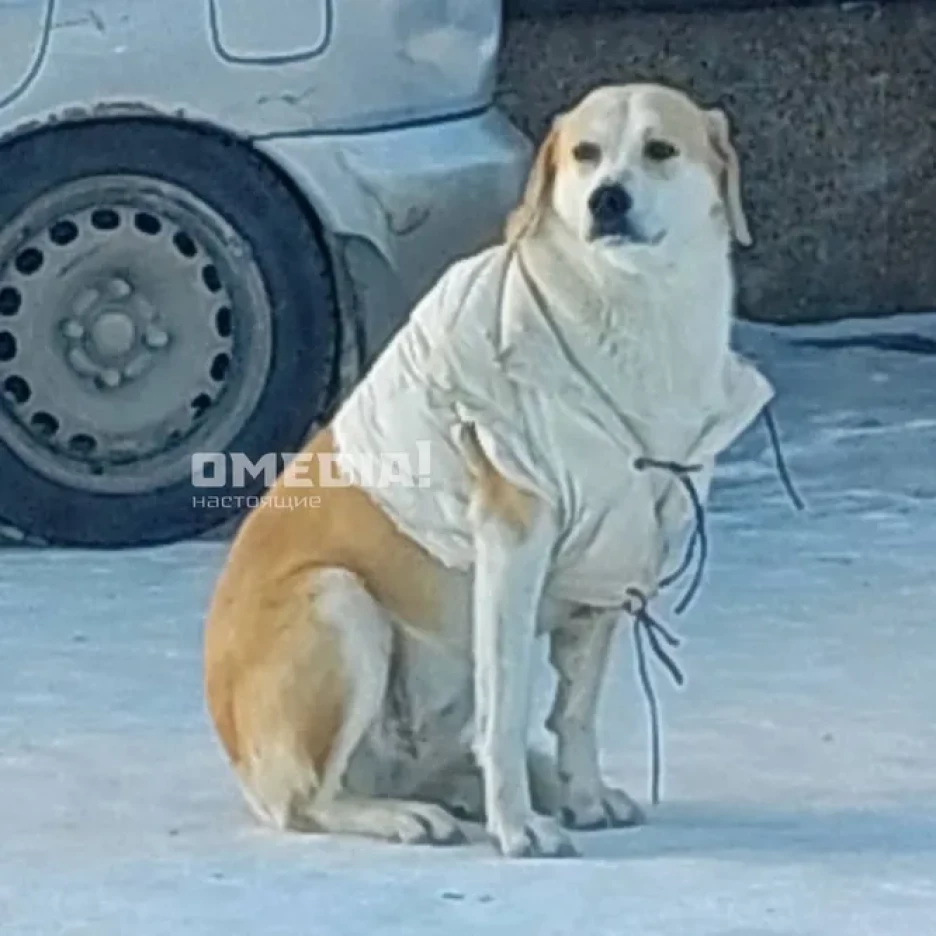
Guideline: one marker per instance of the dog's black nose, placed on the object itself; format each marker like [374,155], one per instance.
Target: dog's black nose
[609,204]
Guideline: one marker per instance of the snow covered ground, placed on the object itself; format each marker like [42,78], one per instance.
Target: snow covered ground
[800,785]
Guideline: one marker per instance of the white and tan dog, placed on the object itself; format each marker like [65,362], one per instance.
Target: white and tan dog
[369,660]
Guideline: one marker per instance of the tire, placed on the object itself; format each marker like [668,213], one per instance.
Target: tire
[133,190]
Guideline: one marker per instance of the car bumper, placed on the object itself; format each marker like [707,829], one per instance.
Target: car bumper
[400,205]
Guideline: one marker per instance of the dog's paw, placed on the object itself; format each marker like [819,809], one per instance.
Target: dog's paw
[426,824]
[537,837]
[609,808]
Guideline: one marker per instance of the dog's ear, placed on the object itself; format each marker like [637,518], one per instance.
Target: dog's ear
[729,174]
[526,215]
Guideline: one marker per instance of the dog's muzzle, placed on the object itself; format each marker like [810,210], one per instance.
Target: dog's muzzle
[610,206]
[611,209]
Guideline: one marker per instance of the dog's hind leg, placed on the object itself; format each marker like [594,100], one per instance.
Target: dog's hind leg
[308,708]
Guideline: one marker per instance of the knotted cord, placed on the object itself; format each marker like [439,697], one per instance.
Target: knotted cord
[648,631]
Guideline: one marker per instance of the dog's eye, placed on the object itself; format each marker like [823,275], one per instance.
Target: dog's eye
[586,152]
[659,150]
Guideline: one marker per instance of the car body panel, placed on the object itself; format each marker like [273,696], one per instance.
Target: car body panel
[420,196]
[344,66]
[24,28]
[276,32]
[379,112]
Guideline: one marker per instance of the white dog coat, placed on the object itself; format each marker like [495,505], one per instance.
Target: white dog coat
[569,378]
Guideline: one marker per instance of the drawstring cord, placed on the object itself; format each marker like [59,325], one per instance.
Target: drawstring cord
[648,631]
[699,536]
[779,460]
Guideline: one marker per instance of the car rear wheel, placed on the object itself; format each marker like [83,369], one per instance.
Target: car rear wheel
[162,293]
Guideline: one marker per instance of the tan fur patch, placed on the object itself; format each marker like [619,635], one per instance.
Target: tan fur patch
[496,495]
[524,218]
[273,672]
[727,171]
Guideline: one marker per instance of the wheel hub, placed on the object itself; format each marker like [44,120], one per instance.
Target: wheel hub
[123,342]
[112,334]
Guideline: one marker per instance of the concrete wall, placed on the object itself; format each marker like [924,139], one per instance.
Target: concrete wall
[835,116]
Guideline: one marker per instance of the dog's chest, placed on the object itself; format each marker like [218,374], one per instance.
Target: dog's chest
[619,522]
[619,516]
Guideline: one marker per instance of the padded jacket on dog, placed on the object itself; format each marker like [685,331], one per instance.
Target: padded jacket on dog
[566,393]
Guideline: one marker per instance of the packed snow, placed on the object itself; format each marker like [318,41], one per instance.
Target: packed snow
[799,793]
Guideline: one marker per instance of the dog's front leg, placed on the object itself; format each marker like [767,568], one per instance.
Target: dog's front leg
[512,560]
[579,650]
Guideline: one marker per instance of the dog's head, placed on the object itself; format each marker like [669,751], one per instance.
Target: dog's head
[636,166]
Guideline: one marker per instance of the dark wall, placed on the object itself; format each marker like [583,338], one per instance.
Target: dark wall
[835,116]
[516,9]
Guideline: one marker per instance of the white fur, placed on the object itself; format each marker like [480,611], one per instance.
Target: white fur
[365,635]
[509,577]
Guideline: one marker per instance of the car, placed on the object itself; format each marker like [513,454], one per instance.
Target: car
[213,214]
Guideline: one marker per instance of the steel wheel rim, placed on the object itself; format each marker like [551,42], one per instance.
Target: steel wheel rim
[135,330]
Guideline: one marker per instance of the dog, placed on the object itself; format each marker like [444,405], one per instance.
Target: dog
[369,659]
